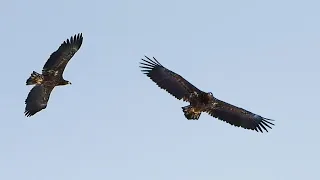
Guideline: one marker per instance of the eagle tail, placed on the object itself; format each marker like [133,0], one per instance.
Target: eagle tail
[35,78]
[190,113]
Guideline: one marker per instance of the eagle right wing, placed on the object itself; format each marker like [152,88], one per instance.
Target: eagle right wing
[238,116]
[166,79]
[37,99]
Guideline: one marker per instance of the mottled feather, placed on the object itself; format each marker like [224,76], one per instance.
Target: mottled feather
[238,117]
[166,79]
[59,59]
[37,99]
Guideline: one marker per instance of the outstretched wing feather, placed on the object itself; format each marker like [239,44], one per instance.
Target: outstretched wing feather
[59,59]
[238,117]
[37,99]
[168,80]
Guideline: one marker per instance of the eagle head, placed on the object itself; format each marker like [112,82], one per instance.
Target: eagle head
[210,95]
[64,82]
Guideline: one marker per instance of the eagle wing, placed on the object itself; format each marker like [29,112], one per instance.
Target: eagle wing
[37,99]
[238,117]
[166,79]
[59,59]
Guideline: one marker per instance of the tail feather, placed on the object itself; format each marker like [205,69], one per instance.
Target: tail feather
[35,78]
[190,113]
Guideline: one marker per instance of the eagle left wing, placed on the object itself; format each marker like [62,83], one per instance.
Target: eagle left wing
[238,117]
[59,59]
[37,99]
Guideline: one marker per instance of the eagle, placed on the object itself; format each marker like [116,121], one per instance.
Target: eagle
[201,101]
[51,76]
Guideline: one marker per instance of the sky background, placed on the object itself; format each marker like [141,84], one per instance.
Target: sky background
[115,123]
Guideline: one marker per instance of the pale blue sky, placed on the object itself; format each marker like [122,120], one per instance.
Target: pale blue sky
[114,123]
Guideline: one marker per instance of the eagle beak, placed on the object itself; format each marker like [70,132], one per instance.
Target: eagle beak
[70,83]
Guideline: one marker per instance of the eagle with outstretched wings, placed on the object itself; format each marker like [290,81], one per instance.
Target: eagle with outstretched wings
[51,76]
[201,101]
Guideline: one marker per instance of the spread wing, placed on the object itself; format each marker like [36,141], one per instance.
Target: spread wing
[173,83]
[238,117]
[37,99]
[59,59]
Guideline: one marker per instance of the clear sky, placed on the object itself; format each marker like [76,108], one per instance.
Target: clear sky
[115,123]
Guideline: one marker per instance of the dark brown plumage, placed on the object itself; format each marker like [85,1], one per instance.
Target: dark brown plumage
[52,75]
[201,101]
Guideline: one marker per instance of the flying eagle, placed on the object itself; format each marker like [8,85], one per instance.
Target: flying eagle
[201,101]
[52,75]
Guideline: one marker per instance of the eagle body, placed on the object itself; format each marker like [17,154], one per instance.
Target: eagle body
[201,101]
[51,76]
[198,104]
[47,78]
